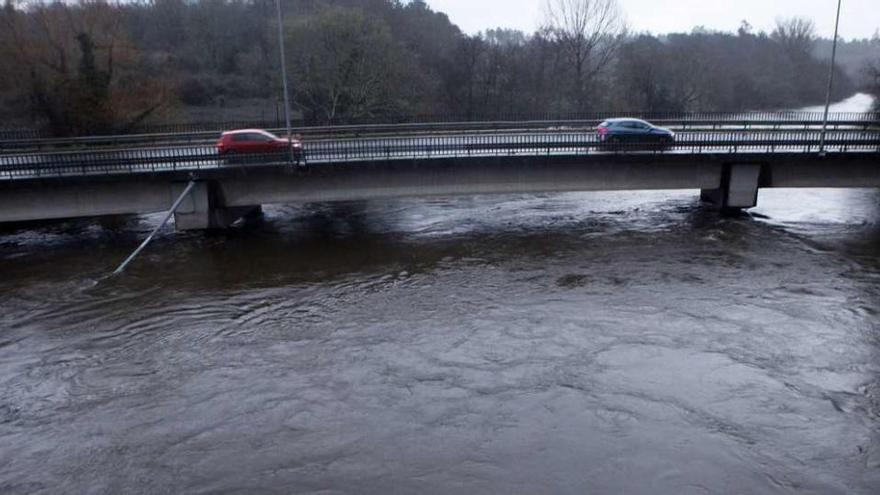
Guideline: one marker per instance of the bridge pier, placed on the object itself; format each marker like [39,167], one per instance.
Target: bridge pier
[205,209]
[739,187]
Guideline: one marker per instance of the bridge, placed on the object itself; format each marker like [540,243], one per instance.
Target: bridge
[728,158]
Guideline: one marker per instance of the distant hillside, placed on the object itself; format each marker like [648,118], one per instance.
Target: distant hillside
[85,67]
[853,55]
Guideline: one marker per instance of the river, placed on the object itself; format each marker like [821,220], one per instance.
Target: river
[623,342]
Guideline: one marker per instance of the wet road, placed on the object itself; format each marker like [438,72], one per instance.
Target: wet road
[577,343]
[329,152]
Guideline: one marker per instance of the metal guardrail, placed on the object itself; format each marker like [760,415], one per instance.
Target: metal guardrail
[360,132]
[196,127]
[12,139]
[193,158]
[394,130]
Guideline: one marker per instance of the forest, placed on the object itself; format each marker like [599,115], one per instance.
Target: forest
[90,66]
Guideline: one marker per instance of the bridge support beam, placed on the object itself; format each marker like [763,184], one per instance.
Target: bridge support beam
[205,209]
[739,187]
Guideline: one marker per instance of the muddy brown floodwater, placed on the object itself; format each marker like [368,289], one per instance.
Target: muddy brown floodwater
[577,343]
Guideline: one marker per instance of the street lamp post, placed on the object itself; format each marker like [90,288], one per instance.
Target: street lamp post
[284,79]
[830,82]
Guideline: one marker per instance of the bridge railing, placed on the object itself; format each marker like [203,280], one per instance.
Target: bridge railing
[14,140]
[341,132]
[334,152]
[215,126]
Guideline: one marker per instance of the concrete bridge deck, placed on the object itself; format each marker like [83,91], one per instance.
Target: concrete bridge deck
[225,193]
[729,167]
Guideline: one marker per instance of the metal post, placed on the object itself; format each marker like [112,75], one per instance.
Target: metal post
[284,79]
[149,238]
[830,82]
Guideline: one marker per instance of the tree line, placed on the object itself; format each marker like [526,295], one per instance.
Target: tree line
[871,74]
[90,66]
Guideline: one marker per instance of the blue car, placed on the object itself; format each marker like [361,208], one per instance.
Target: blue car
[633,131]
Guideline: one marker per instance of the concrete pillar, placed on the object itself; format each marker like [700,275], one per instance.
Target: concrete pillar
[739,187]
[204,208]
[742,190]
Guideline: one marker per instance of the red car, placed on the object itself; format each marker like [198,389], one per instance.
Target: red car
[257,142]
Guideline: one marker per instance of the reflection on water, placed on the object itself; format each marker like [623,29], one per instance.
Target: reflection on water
[604,342]
[859,102]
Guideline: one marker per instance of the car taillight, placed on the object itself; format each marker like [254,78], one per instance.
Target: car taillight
[602,130]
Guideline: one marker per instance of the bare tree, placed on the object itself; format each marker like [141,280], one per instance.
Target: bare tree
[463,73]
[872,82]
[345,65]
[797,35]
[588,32]
[76,68]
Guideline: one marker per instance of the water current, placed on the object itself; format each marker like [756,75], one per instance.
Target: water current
[625,342]
[606,342]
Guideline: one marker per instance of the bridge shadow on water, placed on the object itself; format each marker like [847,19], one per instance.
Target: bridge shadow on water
[315,242]
[319,242]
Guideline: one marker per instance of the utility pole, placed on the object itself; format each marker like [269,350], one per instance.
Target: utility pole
[284,79]
[830,82]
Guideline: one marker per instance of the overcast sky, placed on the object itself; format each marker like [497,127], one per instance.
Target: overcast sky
[858,19]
